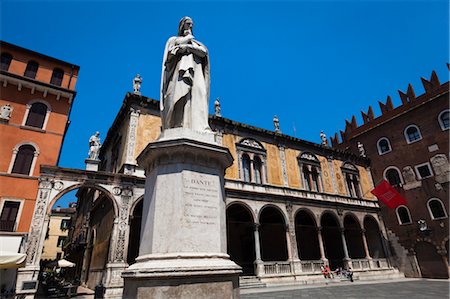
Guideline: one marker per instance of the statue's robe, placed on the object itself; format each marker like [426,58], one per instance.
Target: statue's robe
[184,89]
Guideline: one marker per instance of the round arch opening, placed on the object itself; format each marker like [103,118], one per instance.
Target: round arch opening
[240,237]
[306,234]
[273,235]
[332,240]
[353,237]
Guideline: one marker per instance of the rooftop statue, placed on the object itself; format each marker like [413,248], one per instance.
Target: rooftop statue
[185,81]
[94,146]
[137,81]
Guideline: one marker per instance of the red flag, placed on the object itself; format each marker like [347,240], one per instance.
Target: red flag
[387,194]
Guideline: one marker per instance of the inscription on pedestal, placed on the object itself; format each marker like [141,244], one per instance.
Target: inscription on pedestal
[200,193]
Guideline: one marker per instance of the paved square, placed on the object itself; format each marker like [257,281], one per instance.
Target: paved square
[401,289]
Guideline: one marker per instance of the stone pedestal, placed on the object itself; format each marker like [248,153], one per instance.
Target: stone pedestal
[92,164]
[183,239]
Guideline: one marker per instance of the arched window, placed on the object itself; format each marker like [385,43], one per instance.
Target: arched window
[412,134]
[5,61]
[444,120]
[251,161]
[257,169]
[392,175]
[36,115]
[246,168]
[383,146]
[23,160]
[436,209]
[351,175]
[31,70]
[57,77]
[403,215]
[310,172]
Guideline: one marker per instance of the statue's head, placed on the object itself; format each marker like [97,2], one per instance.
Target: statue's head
[185,26]
[97,133]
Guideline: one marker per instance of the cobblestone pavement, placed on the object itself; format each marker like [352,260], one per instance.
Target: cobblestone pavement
[400,289]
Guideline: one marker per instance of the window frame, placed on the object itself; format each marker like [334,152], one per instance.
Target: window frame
[252,148]
[443,208]
[63,238]
[27,113]
[398,216]
[57,70]
[406,134]
[379,148]
[402,182]
[15,151]
[19,211]
[26,69]
[4,54]
[348,168]
[416,168]
[308,159]
[441,123]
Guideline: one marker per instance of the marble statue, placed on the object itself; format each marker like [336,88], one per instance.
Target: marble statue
[94,146]
[137,84]
[362,151]
[217,108]
[5,112]
[276,124]
[324,139]
[185,81]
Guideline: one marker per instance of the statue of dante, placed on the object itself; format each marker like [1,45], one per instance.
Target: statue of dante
[185,81]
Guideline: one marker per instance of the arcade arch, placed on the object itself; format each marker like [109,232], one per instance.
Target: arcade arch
[332,240]
[240,237]
[353,237]
[374,238]
[273,234]
[306,233]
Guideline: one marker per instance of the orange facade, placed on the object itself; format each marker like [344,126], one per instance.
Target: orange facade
[18,190]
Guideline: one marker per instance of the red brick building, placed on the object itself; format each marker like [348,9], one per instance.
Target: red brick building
[37,92]
[409,146]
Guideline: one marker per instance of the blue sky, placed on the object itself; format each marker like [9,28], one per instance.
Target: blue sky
[313,63]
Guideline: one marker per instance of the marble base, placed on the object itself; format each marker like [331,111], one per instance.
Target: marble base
[91,164]
[198,287]
[183,248]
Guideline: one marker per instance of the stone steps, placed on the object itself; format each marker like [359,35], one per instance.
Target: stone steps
[247,282]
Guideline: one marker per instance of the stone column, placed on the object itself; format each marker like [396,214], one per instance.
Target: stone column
[321,247]
[35,241]
[283,164]
[259,265]
[118,250]
[332,174]
[130,161]
[366,248]
[263,171]
[252,169]
[290,229]
[347,259]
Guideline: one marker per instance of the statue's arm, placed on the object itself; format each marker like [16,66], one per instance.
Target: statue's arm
[194,48]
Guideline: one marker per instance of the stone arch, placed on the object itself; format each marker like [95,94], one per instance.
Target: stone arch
[280,209]
[374,237]
[272,230]
[306,233]
[247,206]
[79,186]
[240,236]
[430,261]
[353,236]
[332,239]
